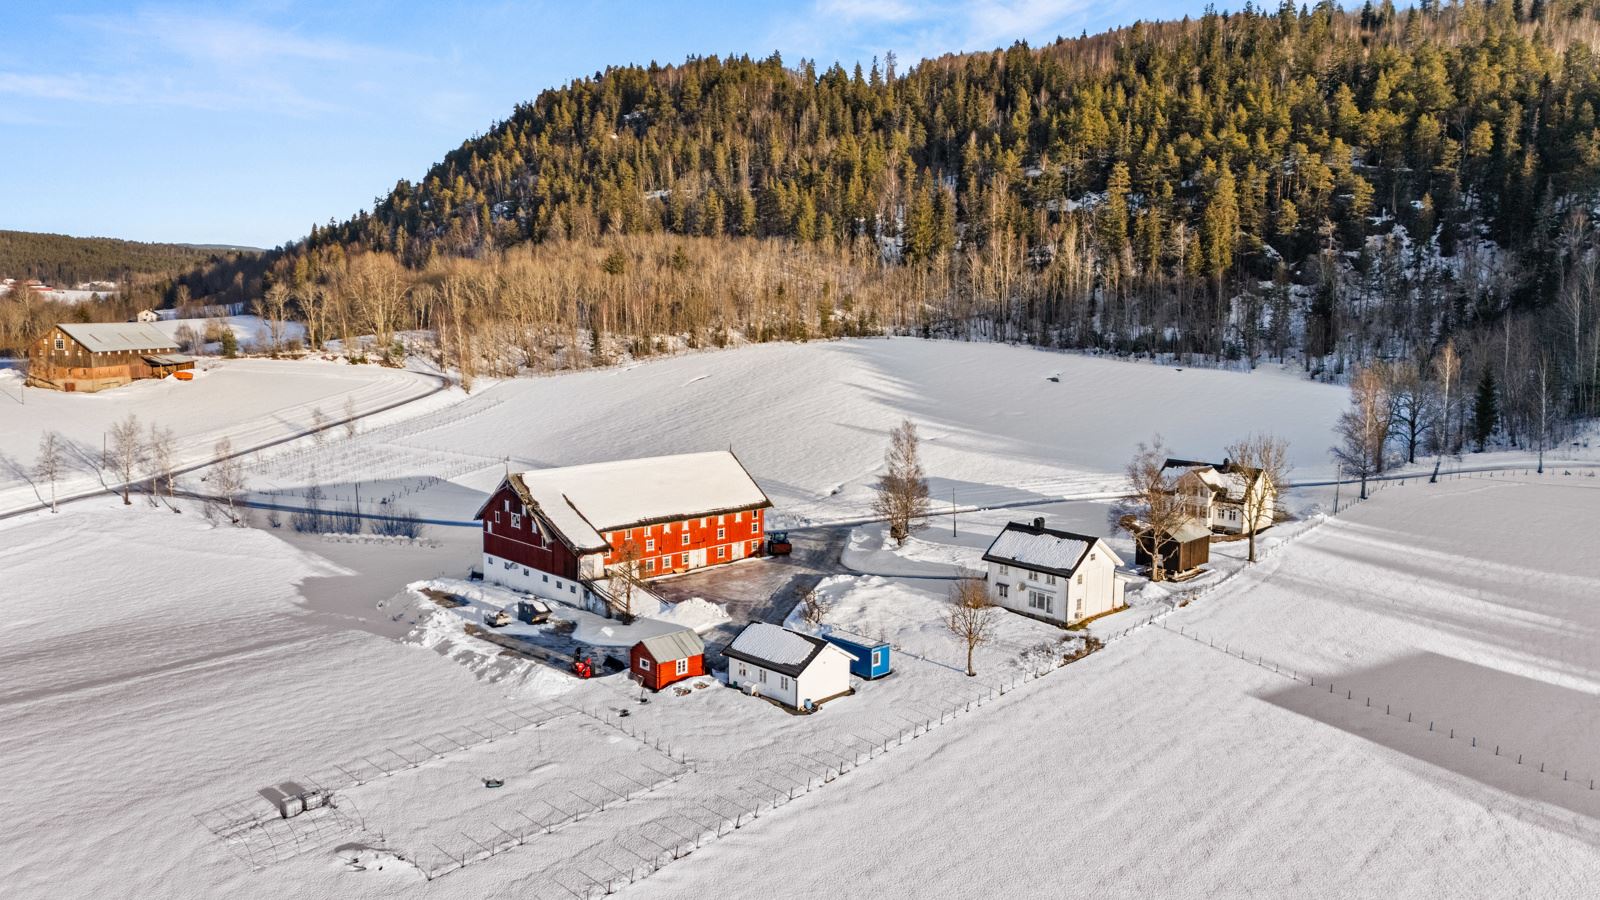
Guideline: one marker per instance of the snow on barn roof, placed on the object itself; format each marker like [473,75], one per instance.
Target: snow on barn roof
[778,649]
[673,645]
[1039,548]
[119,337]
[583,501]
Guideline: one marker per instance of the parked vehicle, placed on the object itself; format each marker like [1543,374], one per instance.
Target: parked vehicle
[533,612]
[497,619]
[778,544]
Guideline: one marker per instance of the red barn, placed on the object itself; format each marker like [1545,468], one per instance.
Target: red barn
[550,531]
[660,660]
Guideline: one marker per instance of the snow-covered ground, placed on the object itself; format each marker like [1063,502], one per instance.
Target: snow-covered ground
[810,421]
[250,401]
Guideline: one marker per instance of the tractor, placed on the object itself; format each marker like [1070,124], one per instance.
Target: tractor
[582,664]
[778,544]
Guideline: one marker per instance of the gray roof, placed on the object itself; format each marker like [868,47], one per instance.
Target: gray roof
[674,645]
[777,649]
[118,337]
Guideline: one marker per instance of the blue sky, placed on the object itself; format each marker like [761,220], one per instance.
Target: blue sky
[244,123]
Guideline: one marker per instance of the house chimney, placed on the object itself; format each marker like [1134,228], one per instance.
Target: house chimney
[1039,523]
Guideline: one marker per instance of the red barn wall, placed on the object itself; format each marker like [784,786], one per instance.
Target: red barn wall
[511,534]
[663,548]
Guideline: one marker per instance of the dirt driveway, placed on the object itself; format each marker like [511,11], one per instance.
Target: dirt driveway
[763,589]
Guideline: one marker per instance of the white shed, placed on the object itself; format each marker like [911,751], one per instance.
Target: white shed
[1057,576]
[797,670]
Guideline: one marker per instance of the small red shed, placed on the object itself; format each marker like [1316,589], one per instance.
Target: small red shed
[665,658]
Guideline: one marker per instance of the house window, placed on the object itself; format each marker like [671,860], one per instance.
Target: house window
[650,545]
[1005,589]
[722,534]
[1080,607]
[1080,578]
[761,675]
[1005,570]
[1039,600]
[685,541]
[516,521]
[743,672]
[722,553]
[783,683]
[877,657]
[644,664]
[683,667]
[1049,579]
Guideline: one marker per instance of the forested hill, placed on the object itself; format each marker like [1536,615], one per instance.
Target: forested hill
[1325,185]
[62,260]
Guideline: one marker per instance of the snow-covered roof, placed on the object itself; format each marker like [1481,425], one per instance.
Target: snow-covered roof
[851,637]
[584,501]
[680,644]
[1032,546]
[118,337]
[775,648]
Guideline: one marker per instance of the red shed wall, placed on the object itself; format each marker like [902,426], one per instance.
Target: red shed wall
[656,678]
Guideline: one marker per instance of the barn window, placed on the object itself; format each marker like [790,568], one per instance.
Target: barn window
[685,559]
[61,344]
[649,565]
[650,545]
[685,541]
[508,506]
[497,516]
[683,667]
[516,520]
[722,553]
[547,578]
[644,664]
[738,517]
[722,534]
[755,527]
[719,520]
[754,546]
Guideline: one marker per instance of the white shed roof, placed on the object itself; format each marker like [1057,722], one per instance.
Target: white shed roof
[584,501]
[119,337]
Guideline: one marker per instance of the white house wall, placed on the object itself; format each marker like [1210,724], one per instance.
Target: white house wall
[779,687]
[540,584]
[1100,589]
[827,676]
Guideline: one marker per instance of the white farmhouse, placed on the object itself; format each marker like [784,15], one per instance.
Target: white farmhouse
[1057,576]
[1222,495]
[797,670]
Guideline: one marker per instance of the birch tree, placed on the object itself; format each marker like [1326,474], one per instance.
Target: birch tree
[1447,368]
[48,466]
[227,479]
[161,457]
[1364,428]
[124,454]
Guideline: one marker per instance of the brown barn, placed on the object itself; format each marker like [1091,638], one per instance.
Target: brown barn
[1185,549]
[89,358]
[660,660]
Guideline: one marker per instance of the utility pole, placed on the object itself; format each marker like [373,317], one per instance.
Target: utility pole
[952,512]
[1338,478]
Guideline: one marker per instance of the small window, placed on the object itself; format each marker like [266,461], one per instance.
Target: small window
[649,565]
[783,683]
[685,541]
[877,657]
[516,521]
[1080,578]
[1005,589]
[755,527]
[1005,570]
[508,506]
[722,553]
[547,579]
[743,672]
[761,675]
[1049,579]
[719,520]
[650,545]
[738,517]
[497,516]
[722,534]
[61,344]
[683,667]
[685,560]
[1039,601]
[644,664]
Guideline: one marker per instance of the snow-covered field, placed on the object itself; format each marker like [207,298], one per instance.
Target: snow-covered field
[250,401]
[170,682]
[810,421]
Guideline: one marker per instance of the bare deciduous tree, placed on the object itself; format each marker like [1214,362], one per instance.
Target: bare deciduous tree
[972,615]
[161,459]
[226,479]
[124,454]
[1265,460]
[273,308]
[625,582]
[1159,502]
[813,609]
[902,490]
[50,463]
[1364,428]
[351,424]
[1447,368]
[319,426]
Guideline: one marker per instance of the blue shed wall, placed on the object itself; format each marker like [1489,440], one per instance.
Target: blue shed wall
[862,666]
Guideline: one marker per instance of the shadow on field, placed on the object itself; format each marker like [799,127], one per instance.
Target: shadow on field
[1472,720]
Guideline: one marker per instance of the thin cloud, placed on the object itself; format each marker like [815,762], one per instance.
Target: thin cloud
[852,30]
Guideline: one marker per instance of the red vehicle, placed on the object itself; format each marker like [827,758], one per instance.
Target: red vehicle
[582,665]
[778,544]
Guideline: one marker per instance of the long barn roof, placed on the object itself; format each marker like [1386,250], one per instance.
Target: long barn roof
[119,337]
[584,501]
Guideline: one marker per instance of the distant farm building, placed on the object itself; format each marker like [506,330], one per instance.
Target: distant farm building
[147,317]
[797,670]
[1183,549]
[658,661]
[95,357]
[1220,494]
[1057,576]
[871,655]
[555,532]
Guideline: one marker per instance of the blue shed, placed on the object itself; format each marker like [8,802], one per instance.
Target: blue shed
[871,656]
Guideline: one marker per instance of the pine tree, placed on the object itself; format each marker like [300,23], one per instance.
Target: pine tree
[1485,409]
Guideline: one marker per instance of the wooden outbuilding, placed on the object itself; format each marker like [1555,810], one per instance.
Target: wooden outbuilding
[93,357]
[662,659]
[1183,549]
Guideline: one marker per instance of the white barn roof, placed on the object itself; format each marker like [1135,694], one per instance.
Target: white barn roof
[119,337]
[584,501]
